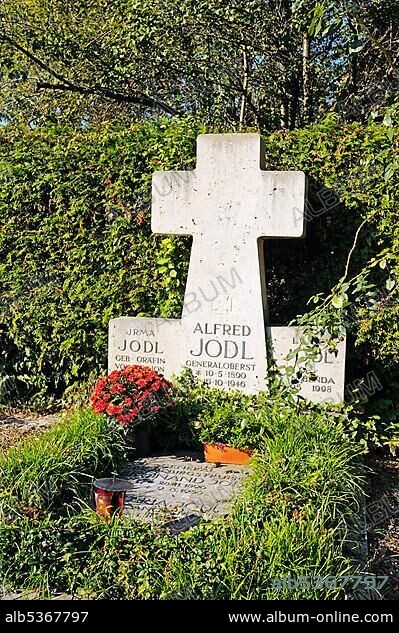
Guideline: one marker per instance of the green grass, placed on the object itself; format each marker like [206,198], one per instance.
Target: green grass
[292,519]
[57,466]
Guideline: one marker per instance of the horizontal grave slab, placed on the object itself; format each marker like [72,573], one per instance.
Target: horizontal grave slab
[171,488]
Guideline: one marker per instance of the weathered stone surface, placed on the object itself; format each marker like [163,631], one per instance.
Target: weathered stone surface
[145,341]
[173,489]
[329,368]
[228,204]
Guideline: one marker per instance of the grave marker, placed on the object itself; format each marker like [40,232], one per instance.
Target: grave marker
[229,204]
[168,486]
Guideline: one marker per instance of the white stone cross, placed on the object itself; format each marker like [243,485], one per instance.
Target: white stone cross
[228,204]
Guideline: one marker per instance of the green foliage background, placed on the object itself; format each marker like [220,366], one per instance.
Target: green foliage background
[76,247]
[353,175]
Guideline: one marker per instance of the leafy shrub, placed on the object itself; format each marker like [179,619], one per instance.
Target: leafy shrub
[76,247]
[235,425]
[200,413]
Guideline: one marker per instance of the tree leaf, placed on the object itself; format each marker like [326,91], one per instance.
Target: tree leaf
[337,301]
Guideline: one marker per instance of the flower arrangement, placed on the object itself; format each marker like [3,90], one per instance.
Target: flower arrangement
[131,395]
[211,416]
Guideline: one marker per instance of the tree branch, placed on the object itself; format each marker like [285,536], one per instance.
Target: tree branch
[66,85]
[33,58]
[119,97]
[379,44]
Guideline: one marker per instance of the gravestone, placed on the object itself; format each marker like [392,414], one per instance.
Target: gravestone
[229,204]
[328,382]
[174,488]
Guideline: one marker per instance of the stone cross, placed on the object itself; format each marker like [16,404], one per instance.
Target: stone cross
[229,203]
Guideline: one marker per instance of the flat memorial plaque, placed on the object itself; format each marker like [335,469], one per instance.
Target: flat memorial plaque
[169,488]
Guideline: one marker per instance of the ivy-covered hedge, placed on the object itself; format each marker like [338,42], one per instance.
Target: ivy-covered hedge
[76,247]
[353,174]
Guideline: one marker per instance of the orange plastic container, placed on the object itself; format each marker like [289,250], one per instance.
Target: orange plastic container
[223,454]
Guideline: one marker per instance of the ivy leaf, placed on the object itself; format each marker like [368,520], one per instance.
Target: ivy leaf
[387,120]
[337,301]
[389,172]
[390,284]
[356,45]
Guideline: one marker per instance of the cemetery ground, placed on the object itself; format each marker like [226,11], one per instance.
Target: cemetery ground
[15,426]
[296,516]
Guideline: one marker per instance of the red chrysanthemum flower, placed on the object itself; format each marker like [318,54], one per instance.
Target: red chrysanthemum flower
[113,376]
[130,394]
[114,409]
[117,388]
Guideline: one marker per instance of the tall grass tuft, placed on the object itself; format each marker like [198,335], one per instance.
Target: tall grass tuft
[293,520]
[57,466]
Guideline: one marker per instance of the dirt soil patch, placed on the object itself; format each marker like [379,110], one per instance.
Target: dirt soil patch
[382,514]
[16,427]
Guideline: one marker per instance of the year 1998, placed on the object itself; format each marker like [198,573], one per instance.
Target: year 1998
[323,388]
